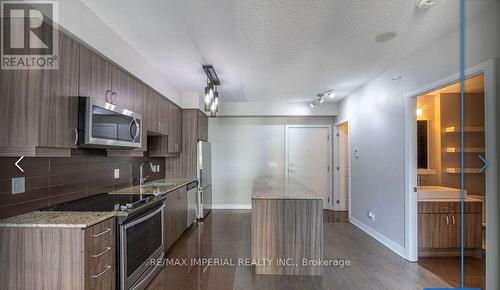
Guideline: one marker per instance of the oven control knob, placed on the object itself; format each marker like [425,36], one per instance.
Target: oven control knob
[129,205]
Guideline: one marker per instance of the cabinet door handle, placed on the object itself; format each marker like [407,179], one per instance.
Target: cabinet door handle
[102,253]
[447,220]
[102,233]
[114,97]
[100,274]
[108,98]
[76,136]
[453,219]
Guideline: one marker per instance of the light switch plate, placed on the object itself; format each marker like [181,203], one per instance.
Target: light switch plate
[158,168]
[272,164]
[18,185]
[356,152]
[117,173]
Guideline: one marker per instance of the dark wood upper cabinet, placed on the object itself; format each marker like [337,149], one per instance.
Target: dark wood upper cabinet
[174,128]
[154,112]
[202,126]
[122,87]
[56,92]
[95,75]
[39,111]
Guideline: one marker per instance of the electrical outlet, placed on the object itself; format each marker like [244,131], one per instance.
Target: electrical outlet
[272,164]
[18,185]
[356,152]
[117,173]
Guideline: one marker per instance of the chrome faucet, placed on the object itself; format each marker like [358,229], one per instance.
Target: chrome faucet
[142,179]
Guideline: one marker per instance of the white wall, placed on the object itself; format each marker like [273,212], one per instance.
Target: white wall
[242,148]
[377,120]
[78,19]
[277,109]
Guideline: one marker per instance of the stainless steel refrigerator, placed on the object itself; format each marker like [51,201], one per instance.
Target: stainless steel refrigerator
[204,198]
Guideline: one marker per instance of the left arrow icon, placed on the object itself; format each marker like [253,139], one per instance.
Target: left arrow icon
[17,163]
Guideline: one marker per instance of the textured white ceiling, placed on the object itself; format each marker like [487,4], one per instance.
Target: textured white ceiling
[277,50]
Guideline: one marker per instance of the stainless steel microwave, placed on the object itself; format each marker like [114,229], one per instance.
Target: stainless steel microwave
[101,124]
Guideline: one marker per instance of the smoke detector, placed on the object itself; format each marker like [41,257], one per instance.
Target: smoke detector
[425,4]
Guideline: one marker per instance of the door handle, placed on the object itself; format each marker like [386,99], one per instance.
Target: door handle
[76,136]
[114,97]
[447,220]
[453,219]
[108,94]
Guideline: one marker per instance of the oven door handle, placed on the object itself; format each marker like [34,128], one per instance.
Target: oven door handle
[126,226]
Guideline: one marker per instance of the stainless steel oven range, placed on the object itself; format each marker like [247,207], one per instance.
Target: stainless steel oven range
[141,244]
[139,233]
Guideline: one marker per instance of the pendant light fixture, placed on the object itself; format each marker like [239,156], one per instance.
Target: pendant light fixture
[211,103]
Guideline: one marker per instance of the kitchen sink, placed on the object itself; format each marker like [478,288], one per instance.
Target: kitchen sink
[159,185]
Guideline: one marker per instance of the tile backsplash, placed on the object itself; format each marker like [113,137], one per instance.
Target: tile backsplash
[49,181]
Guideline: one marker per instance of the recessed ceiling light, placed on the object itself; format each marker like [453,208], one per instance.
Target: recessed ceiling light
[321,100]
[311,105]
[386,36]
[331,95]
[396,78]
[425,4]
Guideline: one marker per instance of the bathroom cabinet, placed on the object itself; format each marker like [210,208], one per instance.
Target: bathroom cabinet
[439,228]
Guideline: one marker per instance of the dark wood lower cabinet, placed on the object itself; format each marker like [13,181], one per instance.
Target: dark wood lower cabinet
[439,228]
[58,258]
[176,211]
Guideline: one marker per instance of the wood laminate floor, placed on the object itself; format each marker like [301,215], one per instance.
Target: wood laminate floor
[225,234]
[448,269]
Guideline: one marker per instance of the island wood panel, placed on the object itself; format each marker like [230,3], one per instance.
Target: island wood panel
[41,258]
[287,229]
[58,258]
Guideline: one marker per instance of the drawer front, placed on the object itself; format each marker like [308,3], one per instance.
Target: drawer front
[99,254]
[100,232]
[99,270]
[448,207]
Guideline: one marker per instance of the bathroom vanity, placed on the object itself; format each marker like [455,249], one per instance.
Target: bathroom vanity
[439,227]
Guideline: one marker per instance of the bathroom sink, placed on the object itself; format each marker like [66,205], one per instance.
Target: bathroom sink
[438,192]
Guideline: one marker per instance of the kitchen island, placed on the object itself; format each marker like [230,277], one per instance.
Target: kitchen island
[287,228]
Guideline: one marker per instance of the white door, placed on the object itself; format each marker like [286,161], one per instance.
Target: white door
[308,159]
[341,196]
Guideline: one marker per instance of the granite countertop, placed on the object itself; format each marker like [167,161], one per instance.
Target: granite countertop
[56,219]
[281,188]
[84,219]
[174,184]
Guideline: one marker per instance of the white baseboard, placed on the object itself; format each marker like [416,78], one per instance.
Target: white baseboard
[379,237]
[231,206]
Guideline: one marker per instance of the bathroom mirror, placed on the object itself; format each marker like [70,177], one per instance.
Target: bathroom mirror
[423,144]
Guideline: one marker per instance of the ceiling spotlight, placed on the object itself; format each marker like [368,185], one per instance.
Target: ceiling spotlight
[312,105]
[396,78]
[321,100]
[425,4]
[331,95]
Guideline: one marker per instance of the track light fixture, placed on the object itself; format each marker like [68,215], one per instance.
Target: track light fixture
[211,93]
[321,97]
